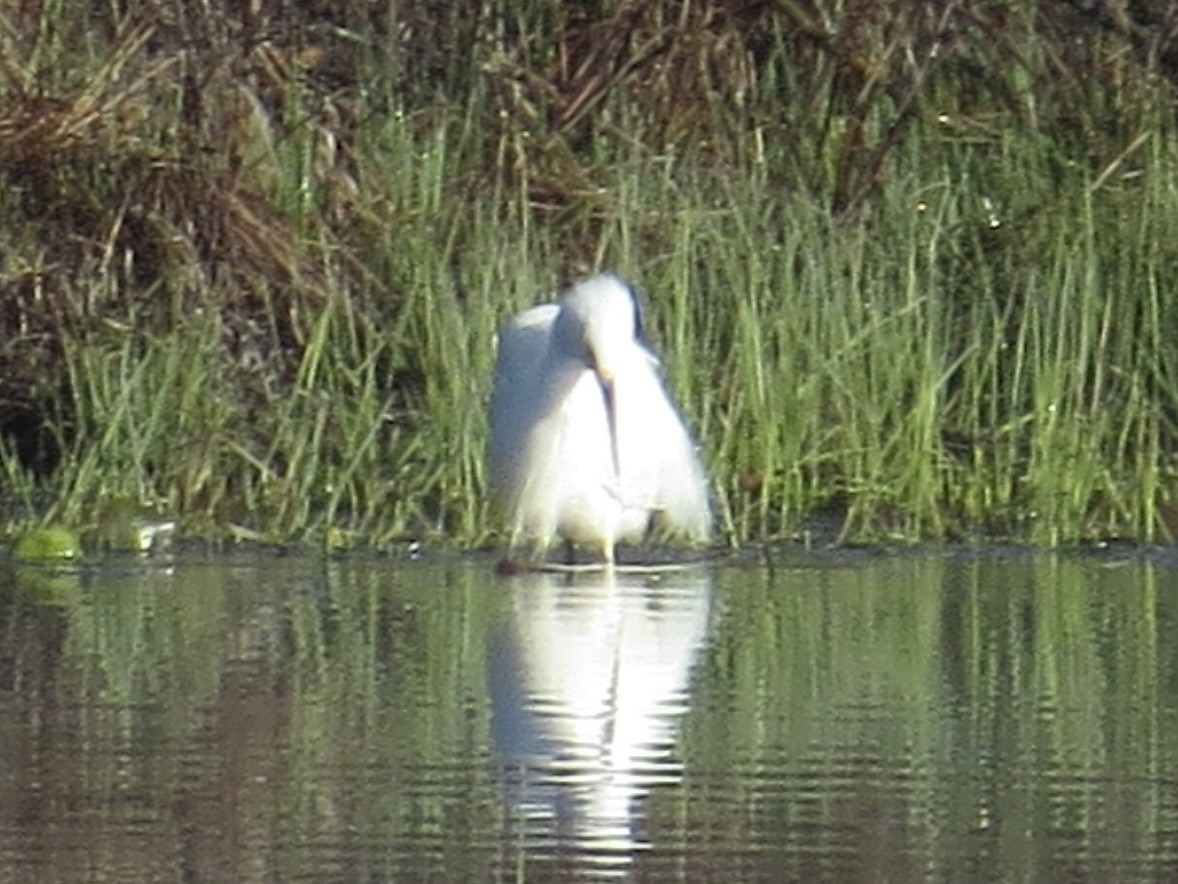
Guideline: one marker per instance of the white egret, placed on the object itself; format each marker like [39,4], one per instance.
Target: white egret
[586,444]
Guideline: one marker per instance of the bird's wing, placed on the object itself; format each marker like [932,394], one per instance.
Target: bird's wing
[523,343]
[678,485]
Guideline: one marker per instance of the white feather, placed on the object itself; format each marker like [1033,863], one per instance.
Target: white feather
[551,457]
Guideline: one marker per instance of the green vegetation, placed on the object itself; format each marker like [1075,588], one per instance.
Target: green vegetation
[907,263]
[50,543]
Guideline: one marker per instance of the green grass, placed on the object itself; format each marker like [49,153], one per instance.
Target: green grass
[945,320]
[940,370]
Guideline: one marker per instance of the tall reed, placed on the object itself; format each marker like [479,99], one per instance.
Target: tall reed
[904,303]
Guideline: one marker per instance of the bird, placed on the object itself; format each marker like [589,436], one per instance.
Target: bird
[586,444]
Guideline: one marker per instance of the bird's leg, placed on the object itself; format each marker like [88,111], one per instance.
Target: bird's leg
[607,553]
[570,552]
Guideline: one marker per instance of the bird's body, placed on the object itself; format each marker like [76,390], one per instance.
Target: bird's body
[585,443]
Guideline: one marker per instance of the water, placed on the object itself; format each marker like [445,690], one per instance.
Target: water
[850,716]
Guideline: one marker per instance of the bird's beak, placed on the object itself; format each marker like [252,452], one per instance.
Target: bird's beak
[606,380]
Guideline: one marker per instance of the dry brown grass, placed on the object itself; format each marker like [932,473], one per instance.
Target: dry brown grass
[146,190]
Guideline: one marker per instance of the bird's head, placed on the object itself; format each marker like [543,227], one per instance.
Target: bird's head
[600,324]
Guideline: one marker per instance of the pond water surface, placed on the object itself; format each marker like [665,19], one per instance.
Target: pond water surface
[944,715]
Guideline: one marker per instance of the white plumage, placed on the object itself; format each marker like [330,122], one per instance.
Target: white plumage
[585,443]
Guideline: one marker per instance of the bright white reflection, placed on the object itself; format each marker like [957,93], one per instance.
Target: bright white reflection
[588,680]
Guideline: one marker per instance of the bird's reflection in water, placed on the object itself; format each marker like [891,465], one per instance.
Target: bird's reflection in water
[588,681]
